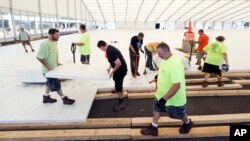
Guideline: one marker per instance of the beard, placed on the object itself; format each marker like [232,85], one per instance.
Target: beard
[55,39]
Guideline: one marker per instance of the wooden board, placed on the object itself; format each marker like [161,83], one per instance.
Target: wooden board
[195,93]
[197,80]
[214,87]
[90,123]
[229,74]
[198,120]
[243,82]
[71,134]
[109,95]
[197,132]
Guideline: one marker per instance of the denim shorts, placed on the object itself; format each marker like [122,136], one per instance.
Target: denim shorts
[54,84]
[173,111]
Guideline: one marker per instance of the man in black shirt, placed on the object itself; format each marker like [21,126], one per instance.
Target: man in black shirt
[135,45]
[119,71]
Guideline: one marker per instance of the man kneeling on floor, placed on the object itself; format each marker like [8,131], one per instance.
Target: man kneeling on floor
[170,95]
[117,62]
[48,56]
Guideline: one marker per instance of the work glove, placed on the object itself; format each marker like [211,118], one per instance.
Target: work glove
[161,102]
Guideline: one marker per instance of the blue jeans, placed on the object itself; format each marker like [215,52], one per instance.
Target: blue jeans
[149,58]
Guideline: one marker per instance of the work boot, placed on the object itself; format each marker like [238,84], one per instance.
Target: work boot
[199,68]
[68,101]
[150,130]
[153,69]
[220,84]
[185,128]
[114,91]
[47,99]
[204,84]
[119,107]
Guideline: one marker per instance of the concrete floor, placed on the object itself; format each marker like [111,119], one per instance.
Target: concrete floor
[22,103]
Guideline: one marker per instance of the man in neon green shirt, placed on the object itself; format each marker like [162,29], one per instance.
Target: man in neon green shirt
[171,92]
[83,44]
[48,56]
[216,55]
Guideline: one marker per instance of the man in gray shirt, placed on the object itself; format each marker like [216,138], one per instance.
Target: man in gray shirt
[25,39]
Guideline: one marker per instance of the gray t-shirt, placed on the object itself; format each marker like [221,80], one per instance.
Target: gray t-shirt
[23,36]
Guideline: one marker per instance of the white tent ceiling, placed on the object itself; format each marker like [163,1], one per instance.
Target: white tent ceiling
[168,10]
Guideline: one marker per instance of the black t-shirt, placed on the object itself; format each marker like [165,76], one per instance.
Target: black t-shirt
[112,54]
[136,44]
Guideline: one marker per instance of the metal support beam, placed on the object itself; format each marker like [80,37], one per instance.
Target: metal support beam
[57,17]
[40,16]
[190,9]
[139,11]
[88,11]
[13,19]
[210,5]
[177,10]
[126,12]
[202,17]
[164,10]
[234,18]
[226,10]
[152,10]
[239,14]
[114,10]
[97,1]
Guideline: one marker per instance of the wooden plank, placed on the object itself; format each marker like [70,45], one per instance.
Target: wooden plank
[214,87]
[71,134]
[198,120]
[109,95]
[229,74]
[90,123]
[195,93]
[197,80]
[197,132]
[109,134]
[218,93]
[243,82]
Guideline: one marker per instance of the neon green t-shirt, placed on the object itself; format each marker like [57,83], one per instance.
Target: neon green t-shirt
[171,71]
[215,53]
[85,48]
[48,51]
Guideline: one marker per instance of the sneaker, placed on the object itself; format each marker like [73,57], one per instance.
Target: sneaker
[114,91]
[204,84]
[138,74]
[185,128]
[47,99]
[153,69]
[220,84]
[32,50]
[119,107]
[26,51]
[199,68]
[150,130]
[68,101]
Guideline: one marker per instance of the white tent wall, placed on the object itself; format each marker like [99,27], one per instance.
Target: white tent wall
[26,5]
[140,25]
[48,7]
[120,25]
[5,3]
[62,8]
[72,13]
[79,7]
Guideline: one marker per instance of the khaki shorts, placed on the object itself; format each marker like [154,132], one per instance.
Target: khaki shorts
[200,54]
